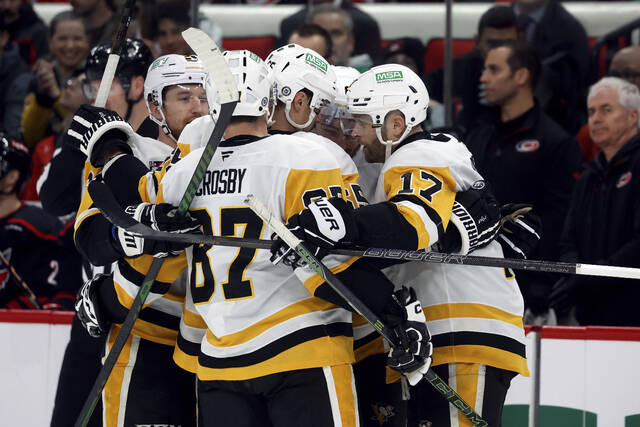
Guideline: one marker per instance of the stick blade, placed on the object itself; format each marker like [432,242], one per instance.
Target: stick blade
[210,54]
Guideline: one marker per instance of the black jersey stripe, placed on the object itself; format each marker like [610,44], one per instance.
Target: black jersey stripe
[479,338]
[278,346]
[432,213]
[366,339]
[159,318]
[188,347]
[135,277]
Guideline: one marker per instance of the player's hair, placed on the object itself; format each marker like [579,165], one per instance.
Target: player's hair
[500,16]
[330,8]
[175,11]
[522,55]
[310,30]
[66,15]
[628,93]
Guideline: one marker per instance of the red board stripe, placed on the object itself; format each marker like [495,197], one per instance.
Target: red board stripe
[36,316]
[601,333]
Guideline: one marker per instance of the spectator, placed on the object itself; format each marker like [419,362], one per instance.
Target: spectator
[172,18]
[603,222]
[366,33]
[32,241]
[625,64]
[525,155]
[100,19]
[564,50]
[60,186]
[407,51]
[69,45]
[14,85]
[26,29]
[496,24]
[315,38]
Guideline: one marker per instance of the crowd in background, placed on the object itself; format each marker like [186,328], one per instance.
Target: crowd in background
[521,106]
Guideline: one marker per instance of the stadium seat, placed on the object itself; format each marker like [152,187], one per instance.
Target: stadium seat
[261,46]
[434,53]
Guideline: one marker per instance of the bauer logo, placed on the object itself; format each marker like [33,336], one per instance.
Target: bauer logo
[388,76]
[316,62]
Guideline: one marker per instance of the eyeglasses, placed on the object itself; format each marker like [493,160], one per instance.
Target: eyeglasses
[88,90]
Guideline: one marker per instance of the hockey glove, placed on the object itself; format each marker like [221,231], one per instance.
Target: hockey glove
[474,222]
[324,224]
[161,217]
[88,308]
[413,349]
[93,130]
[521,230]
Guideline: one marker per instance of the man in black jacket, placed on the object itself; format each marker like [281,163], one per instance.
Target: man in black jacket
[526,156]
[496,24]
[26,29]
[564,49]
[603,223]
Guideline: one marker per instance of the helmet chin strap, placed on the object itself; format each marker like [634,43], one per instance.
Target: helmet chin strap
[287,111]
[163,124]
[389,144]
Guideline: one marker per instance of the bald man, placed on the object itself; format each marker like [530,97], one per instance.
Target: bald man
[626,65]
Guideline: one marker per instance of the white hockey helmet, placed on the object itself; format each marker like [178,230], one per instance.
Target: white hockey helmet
[254,85]
[387,88]
[294,68]
[338,109]
[170,70]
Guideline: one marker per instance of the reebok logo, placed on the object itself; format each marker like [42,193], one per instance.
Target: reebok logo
[319,63]
[387,76]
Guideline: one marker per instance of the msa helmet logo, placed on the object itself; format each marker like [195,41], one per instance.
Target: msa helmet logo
[388,76]
[316,62]
[623,180]
[158,63]
[527,146]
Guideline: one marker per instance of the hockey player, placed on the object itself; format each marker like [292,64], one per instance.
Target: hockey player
[474,313]
[175,95]
[266,349]
[32,241]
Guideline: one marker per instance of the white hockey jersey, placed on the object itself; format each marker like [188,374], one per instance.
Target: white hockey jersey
[474,313]
[159,321]
[245,317]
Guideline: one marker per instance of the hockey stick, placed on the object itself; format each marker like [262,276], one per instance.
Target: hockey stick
[296,244]
[18,279]
[103,198]
[218,70]
[114,55]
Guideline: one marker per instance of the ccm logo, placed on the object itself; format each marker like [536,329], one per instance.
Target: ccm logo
[527,146]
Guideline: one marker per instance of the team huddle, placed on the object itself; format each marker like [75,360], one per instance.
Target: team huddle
[236,336]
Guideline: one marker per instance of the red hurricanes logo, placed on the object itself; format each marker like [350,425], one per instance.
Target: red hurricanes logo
[623,180]
[4,272]
[527,146]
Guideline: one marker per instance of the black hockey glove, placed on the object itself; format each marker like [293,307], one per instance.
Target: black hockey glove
[324,224]
[161,217]
[413,349]
[521,230]
[88,308]
[95,129]
[474,222]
